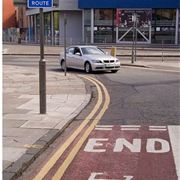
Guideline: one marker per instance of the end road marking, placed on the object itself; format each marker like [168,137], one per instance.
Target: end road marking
[117,154]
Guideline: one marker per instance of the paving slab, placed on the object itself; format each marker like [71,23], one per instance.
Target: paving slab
[12,123]
[14,151]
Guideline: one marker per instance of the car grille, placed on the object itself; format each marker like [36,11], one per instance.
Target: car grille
[108,61]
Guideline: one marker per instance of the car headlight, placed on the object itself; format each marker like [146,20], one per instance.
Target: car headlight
[117,60]
[96,61]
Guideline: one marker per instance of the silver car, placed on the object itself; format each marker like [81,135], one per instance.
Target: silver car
[89,58]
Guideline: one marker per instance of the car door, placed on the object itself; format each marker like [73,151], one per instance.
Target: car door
[78,59]
[70,57]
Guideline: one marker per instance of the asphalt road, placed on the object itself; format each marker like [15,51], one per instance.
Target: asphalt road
[141,96]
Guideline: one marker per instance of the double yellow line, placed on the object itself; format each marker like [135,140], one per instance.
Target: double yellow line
[59,173]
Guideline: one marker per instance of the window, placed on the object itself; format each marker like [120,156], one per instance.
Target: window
[77,50]
[56,28]
[87,26]
[91,50]
[47,28]
[71,51]
[163,26]
[104,29]
[103,17]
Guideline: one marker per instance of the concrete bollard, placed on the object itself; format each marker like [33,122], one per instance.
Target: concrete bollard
[113,51]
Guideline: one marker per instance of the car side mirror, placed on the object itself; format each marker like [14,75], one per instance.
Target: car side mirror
[78,54]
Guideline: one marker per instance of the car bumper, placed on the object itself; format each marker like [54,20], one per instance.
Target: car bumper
[105,67]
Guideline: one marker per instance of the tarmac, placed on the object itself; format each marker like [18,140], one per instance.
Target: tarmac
[26,133]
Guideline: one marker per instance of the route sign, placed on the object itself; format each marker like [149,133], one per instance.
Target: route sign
[42,63]
[40,3]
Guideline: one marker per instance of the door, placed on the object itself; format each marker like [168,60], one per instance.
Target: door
[75,58]
[133,24]
[69,57]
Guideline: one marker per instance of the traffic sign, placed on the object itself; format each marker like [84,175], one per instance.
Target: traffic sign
[40,3]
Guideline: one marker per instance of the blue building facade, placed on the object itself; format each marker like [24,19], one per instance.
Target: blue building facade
[120,21]
[109,21]
[161,4]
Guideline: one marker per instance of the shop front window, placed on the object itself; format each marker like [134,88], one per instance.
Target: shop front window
[56,28]
[126,26]
[32,29]
[87,26]
[104,30]
[163,26]
[179,29]
[103,17]
[37,28]
[47,28]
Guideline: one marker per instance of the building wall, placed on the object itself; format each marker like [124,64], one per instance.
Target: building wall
[74,27]
[9,15]
[22,20]
[68,4]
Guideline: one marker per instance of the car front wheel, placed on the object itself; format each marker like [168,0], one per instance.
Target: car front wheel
[87,67]
[63,65]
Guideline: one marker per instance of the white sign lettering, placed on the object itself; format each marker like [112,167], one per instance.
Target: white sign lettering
[164,145]
[94,175]
[99,146]
[41,3]
[128,177]
[134,147]
[93,143]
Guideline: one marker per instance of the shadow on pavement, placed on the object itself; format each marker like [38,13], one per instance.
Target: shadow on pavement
[76,71]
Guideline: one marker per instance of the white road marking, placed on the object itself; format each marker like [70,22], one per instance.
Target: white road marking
[110,126]
[174,134]
[104,127]
[130,129]
[94,174]
[130,126]
[157,129]
[128,177]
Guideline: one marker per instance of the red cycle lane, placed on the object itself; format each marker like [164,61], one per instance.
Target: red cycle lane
[124,153]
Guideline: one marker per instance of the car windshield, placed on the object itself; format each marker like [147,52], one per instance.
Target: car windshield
[91,50]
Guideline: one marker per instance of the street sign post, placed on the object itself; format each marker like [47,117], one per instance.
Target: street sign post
[42,63]
[134,20]
[42,67]
[65,24]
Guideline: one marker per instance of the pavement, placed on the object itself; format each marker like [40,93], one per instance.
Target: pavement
[33,49]
[26,133]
